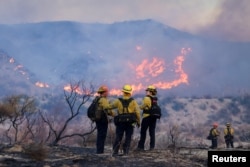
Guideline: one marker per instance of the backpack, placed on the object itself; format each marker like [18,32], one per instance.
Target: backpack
[155,110]
[93,113]
[125,117]
[210,135]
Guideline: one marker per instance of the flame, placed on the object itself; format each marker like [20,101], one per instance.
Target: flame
[77,89]
[12,60]
[150,69]
[18,67]
[153,68]
[41,85]
[135,88]
[138,48]
[183,77]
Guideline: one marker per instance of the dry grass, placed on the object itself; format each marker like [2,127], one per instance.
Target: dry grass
[36,151]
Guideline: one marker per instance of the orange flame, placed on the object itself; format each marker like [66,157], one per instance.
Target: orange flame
[12,60]
[138,48]
[153,69]
[148,69]
[41,85]
[77,89]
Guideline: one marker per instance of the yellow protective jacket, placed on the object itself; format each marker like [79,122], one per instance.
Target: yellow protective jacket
[146,105]
[215,132]
[104,104]
[231,130]
[132,107]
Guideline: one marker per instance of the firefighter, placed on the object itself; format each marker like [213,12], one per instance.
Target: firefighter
[229,135]
[148,122]
[102,124]
[125,127]
[215,133]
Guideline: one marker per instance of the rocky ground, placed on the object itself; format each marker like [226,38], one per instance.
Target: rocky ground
[62,156]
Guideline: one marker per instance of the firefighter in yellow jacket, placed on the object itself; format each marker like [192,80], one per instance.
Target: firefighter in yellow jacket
[122,126]
[148,121]
[102,124]
[215,133]
[229,135]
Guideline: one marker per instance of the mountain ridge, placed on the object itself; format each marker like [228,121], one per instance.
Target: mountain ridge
[57,52]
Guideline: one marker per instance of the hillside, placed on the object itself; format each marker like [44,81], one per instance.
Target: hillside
[180,137]
[140,52]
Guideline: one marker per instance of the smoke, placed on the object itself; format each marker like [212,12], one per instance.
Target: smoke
[232,23]
[139,53]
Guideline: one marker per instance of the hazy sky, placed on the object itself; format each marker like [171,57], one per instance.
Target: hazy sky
[226,19]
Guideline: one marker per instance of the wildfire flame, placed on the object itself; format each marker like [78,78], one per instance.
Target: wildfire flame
[153,68]
[76,88]
[149,69]
[12,60]
[41,85]
[138,48]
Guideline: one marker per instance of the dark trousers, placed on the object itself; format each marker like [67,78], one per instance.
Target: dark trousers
[147,123]
[122,128]
[214,143]
[229,143]
[102,128]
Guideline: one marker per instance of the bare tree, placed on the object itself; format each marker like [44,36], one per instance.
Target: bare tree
[174,135]
[20,109]
[5,112]
[76,96]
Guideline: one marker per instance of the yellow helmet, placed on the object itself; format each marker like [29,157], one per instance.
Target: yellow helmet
[102,88]
[127,89]
[151,88]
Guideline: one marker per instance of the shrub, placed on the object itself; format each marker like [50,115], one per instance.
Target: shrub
[213,107]
[203,107]
[177,106]
[221,100]
[233,107]
[36,151]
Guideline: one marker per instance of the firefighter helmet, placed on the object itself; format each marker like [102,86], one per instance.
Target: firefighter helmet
[215,124]
[151,88]
[102,89]
[127,89]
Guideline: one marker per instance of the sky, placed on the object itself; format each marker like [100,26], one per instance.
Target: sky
[223,19]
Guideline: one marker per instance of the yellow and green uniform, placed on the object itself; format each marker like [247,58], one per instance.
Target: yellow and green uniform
[229,137]
[104,105]
[215,132]
[231,131]
[102,124]
[124,127]
[132,108]
[146,105]
[148,123]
